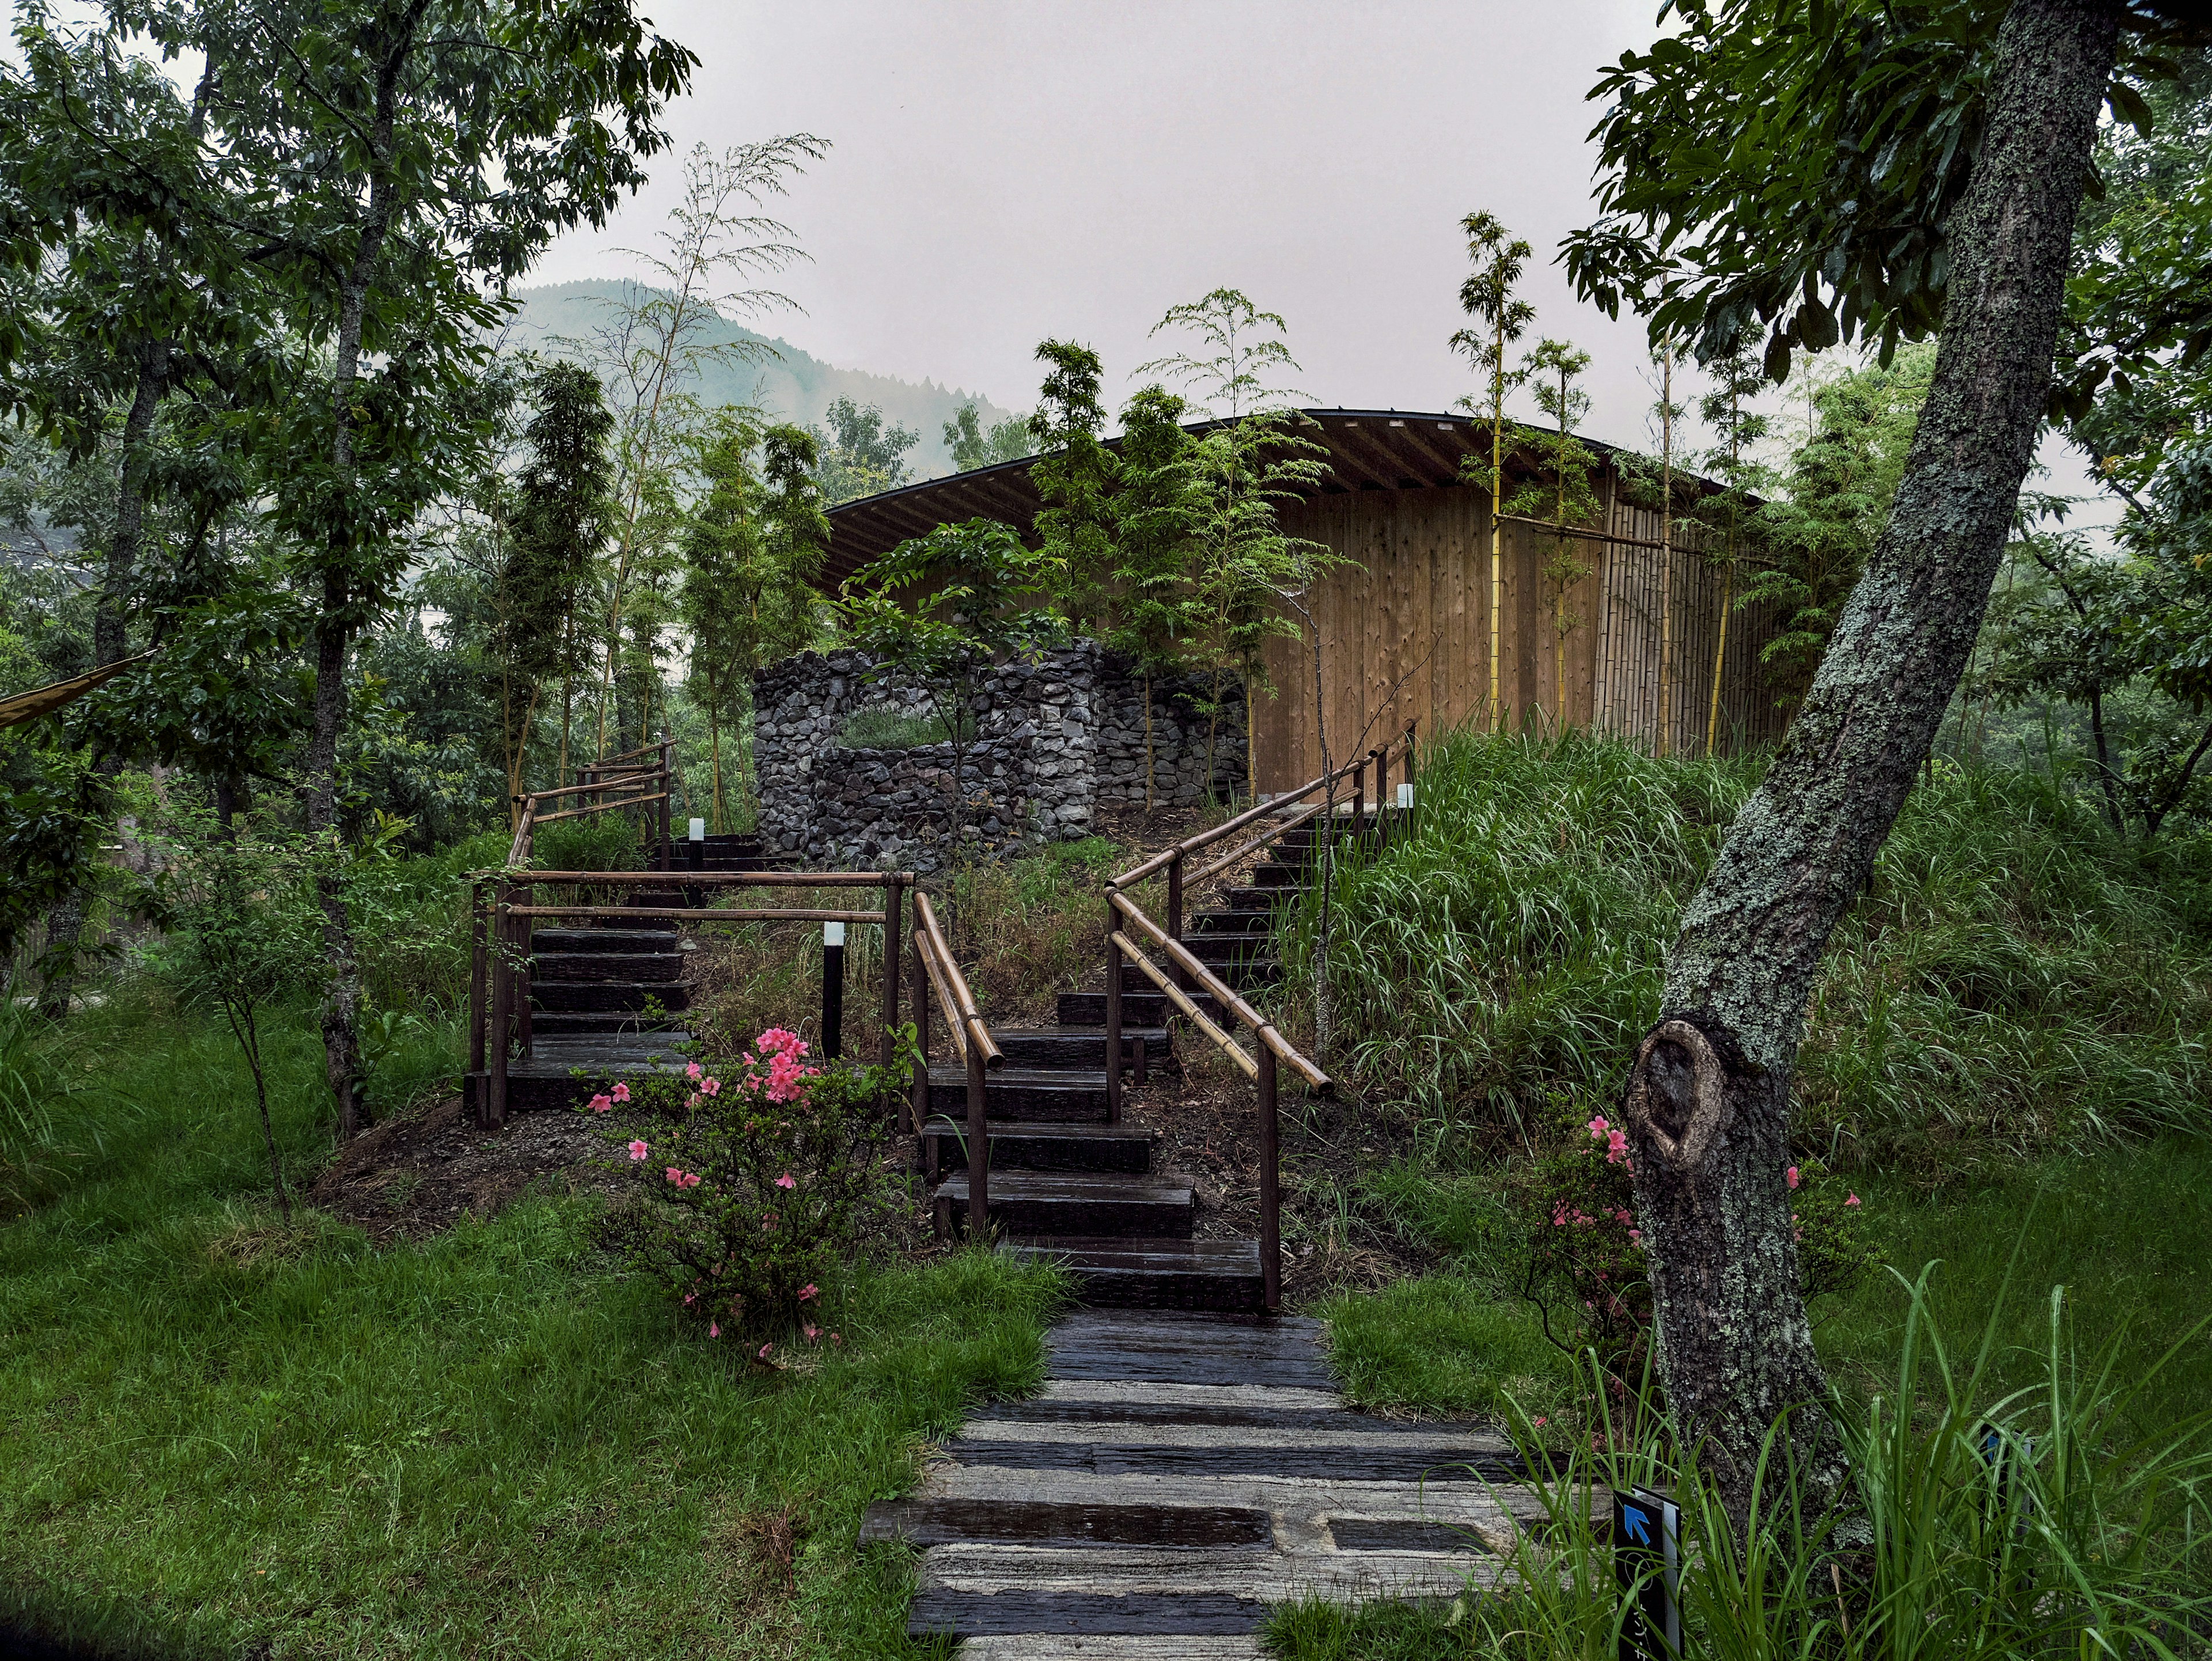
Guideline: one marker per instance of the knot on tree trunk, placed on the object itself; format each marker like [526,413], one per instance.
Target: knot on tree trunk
[1678,1094]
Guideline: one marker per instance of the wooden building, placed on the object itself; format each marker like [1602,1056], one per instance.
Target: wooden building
[1406,618]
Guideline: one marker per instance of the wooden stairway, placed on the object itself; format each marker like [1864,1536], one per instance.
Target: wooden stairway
[1066,1183]
[608,998]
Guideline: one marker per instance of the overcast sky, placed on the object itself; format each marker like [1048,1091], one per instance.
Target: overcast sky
[1003,172]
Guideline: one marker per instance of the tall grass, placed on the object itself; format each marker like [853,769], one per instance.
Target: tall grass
[1989,1523]
[2015,978]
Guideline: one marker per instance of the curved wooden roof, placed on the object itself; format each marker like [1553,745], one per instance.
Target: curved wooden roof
[1368,450]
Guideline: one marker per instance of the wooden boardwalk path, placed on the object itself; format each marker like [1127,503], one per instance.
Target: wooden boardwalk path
[1181,1473]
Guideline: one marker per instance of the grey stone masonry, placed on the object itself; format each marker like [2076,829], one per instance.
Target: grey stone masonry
[1055,740]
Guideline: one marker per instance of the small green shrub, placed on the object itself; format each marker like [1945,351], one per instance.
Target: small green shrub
[888,729]
[769,1168]
[602,842]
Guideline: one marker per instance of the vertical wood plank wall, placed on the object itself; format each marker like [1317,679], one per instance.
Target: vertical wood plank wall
[1405,630]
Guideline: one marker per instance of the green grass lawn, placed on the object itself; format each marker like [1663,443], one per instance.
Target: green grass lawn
[221,1432]
[2122,1231]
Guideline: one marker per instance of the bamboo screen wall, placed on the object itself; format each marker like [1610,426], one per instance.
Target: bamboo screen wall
[1405,631]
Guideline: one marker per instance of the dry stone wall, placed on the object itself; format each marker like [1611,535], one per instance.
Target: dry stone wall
[1055,741]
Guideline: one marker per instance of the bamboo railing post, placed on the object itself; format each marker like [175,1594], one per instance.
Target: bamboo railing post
[478,1013]
[1381,758]
[1175,908]
[979,1146]
[668,790]
[1358,797]
[491,1107]
[918,1108]
[1113,1022]
[524,927]
[1271,1244]
[894,883]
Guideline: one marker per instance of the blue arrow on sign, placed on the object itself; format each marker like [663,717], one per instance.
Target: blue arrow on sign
[1639,1524]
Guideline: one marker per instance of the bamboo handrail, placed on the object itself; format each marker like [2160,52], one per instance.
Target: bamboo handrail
[586,790]
[702,913]
[596,807]
[1190,845]
[924,917]
[716,878]
[1228,860]
[1181,1000]
[1262,1028]
[953,1024]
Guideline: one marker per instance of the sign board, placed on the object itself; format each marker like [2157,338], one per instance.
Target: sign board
[1647,1559]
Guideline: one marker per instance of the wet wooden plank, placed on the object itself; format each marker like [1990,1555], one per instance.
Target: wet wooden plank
[965,1615]
[937,1521]
[1309,1420]
[1360,1534]
[1363,1464]
[1189,1368]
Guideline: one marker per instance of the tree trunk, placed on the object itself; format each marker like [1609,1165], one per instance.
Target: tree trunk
[1708,1099]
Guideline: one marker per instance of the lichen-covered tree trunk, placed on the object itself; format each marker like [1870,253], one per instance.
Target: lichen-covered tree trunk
[1708,1099]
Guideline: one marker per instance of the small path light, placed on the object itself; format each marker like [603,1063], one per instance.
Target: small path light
[833,989]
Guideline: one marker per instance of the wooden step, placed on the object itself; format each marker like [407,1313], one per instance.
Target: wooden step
[1089,1205]
[1160,1273]
[606,965]
[1231,921]
[599,995]
[1046,1523]
[1076,1046]
[551,1078]
[568,1023]
[1044,1094]
[663,927]
[1239,968]
[1148,1007]
[1020,1145]
[659,942]
[1210,948]
[1257,899]
[1272,875]
[1030,1617]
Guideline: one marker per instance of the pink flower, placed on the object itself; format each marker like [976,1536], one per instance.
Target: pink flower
[710,1087]
[810,1290]
[1540,1422]
[690,1179]
[764,1349]
[1597,1130]
[785,1181]
[638,1150]
[1852,1199]
[1792,1174]
[692,1298]
[1636,1236]
[622,1093]
[692,1100]
[692,1070]
[600,1104]
[812,1332]
[675,1175]
[713,1328]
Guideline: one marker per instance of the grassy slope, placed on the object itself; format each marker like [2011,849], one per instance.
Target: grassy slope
[2014,1008]
[219,1431]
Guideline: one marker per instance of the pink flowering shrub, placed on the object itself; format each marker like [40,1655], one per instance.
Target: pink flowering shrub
[770,1167]
[1585,1270]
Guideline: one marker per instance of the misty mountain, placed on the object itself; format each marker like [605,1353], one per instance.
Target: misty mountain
[794,386]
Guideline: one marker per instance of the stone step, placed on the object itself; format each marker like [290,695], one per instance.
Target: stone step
[1019,1145]
[1145,1007]
[1160,1273]
[1077,1046]
[606,966]
[1058,1095]
[1090,1205]
[580,996]
[658,941]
